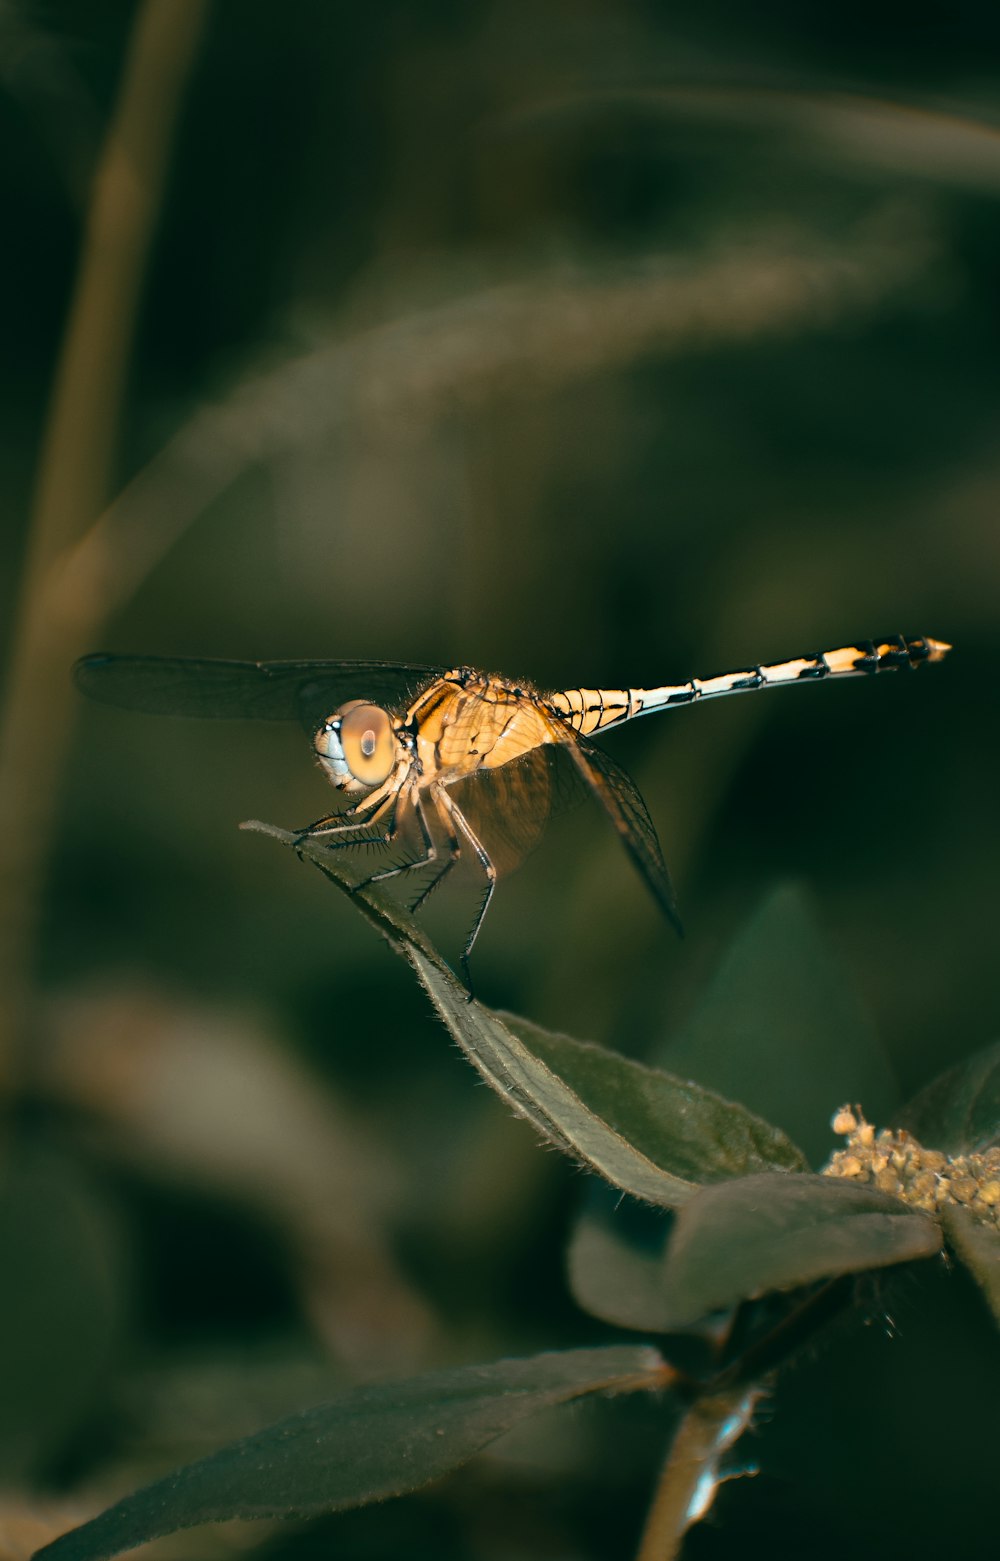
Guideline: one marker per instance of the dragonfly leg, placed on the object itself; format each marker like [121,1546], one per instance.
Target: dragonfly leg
[451,815]
[348,827]
[355,837]
[430,856]
[454,850]
[430,850]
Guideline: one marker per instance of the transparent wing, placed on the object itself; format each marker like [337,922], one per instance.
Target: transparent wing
[621,800]
[508,808]
[306,691]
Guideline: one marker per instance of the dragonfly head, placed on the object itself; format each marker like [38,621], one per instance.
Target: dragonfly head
[357,746]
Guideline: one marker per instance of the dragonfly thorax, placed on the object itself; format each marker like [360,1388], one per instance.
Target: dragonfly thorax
[357,746]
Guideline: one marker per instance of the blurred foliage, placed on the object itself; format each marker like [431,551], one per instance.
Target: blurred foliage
[587,343]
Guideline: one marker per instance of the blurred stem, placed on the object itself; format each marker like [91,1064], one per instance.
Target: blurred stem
[58,611]
[691,1472]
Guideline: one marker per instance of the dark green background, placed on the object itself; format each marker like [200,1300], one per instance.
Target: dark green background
[801,462]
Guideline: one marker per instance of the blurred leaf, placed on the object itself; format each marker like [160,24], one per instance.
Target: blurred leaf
[773,1232]
[901,136]
[369,1444]
[510,329]
[615,1279]
[781,1030]
[60,1302]
[652,1135]
[959,1111]
[978,1246]
[28,1521]
[208,1096]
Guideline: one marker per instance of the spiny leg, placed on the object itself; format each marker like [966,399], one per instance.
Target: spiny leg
[369,810]
[454,852]
[461,826]
[430,850]
[352,832]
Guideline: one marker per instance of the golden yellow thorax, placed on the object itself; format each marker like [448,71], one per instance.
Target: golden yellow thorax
[466,722]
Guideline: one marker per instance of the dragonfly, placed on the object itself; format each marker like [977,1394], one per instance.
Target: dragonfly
[410,747]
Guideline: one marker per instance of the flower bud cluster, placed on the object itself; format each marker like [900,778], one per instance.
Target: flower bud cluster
[894,1162]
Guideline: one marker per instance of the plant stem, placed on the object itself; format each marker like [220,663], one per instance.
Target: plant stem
[690,1474]
[56,615]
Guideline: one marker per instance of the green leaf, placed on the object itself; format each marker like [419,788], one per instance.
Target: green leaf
[648,1133]
[535,1092]
[652,1135]
[739,1240]
[697,1133]
[978,1247]
[370,1443]
[615,1279]
[959,1111]
[781,1030]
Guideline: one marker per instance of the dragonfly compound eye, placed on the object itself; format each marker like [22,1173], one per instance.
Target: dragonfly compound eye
[367,740]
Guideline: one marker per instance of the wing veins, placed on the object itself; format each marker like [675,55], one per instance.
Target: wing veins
[622,801]
[307,691]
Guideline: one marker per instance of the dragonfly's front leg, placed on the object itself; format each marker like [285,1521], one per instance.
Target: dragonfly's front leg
[414,798]
[349,834]
[347,829]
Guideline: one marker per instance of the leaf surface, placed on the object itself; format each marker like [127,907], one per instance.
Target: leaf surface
[672,1120]
[743,1238]
[366,1445]
[616,1279]
[653,1135]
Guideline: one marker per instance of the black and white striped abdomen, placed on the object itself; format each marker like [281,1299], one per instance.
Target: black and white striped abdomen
[589,710]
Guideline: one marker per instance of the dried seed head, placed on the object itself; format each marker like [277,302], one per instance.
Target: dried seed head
[924,1178]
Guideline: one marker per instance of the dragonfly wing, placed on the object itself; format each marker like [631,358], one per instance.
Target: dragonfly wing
[621,800]
[509,807]
[306,691]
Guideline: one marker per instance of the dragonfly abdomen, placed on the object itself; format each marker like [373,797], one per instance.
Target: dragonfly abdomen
[589,710]
[863,658]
